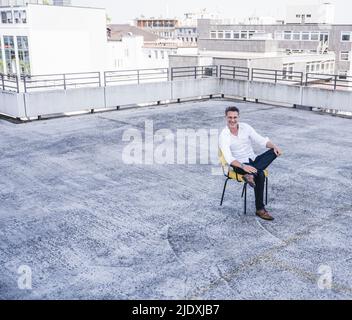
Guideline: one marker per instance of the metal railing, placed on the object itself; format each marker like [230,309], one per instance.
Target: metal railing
[236,73]
[194,72]
[65,81]
[328,80]
[270,75]
[61,81]
[136,76]
[9,82]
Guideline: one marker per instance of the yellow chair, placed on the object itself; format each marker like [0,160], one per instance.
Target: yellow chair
[229,173]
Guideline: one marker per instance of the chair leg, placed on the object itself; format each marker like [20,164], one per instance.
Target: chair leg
[244,185]
[266,190]
[245,198]
[223,192]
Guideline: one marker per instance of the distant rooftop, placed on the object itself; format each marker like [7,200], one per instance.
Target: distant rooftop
[92,227]
[117,31]
[24,2]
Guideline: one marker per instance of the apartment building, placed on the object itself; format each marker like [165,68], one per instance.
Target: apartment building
[48,39]
[313,34]
[162,27]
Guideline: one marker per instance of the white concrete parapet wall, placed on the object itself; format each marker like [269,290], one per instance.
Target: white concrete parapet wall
[288,94]
[61,101]
[12,104]
[40,103]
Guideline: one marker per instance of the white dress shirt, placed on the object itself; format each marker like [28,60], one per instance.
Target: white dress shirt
[240,147]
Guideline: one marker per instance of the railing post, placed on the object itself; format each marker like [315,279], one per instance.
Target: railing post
[172,74]
[335,82]
[202,74]
[275,76]
[99,75]
[252,74]
[64,81]
[17,83]
[307,76]
[220,71]
[137,76]
[301,78]
[195,72]
[216,71]
[3,82]
[234,73]
[167,74]
[104,78]
[24,83]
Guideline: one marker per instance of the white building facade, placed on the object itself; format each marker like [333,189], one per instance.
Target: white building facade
[46,39]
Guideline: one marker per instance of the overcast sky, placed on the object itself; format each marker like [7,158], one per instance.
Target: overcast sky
[123,11]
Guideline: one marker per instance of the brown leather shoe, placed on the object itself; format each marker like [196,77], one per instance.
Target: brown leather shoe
[264,214]
[249,179]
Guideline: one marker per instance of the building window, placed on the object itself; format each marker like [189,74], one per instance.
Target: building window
[296,36]
[227,34]
[307,67]
[309,15]
[305,36]
[10,55]
[20,16]
[287,70]
[3,17]
[344,55]
[343,75]
[332,69]
[250,34]
[345,36]
[23,55]
[314,36]
[244,35]
[287,35]
[324,36]
[220,34]
[6,16]
[298,15]
[162,54]
[1,61]
[156,54]
[236,35]
[212,34]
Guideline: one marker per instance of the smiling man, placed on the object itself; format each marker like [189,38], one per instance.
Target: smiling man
[235,142]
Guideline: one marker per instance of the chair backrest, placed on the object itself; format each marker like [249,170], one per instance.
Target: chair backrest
[224,164]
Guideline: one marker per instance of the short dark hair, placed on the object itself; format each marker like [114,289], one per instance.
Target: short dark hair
[231,109]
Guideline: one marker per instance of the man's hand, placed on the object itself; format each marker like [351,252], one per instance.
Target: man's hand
[249,169]
[277,151]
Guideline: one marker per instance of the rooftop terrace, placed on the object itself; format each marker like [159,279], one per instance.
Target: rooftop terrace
[90,226]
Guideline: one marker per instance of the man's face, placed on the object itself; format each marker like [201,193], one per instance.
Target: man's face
[232,118]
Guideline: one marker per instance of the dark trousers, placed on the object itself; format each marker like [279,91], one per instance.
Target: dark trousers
[261,162]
